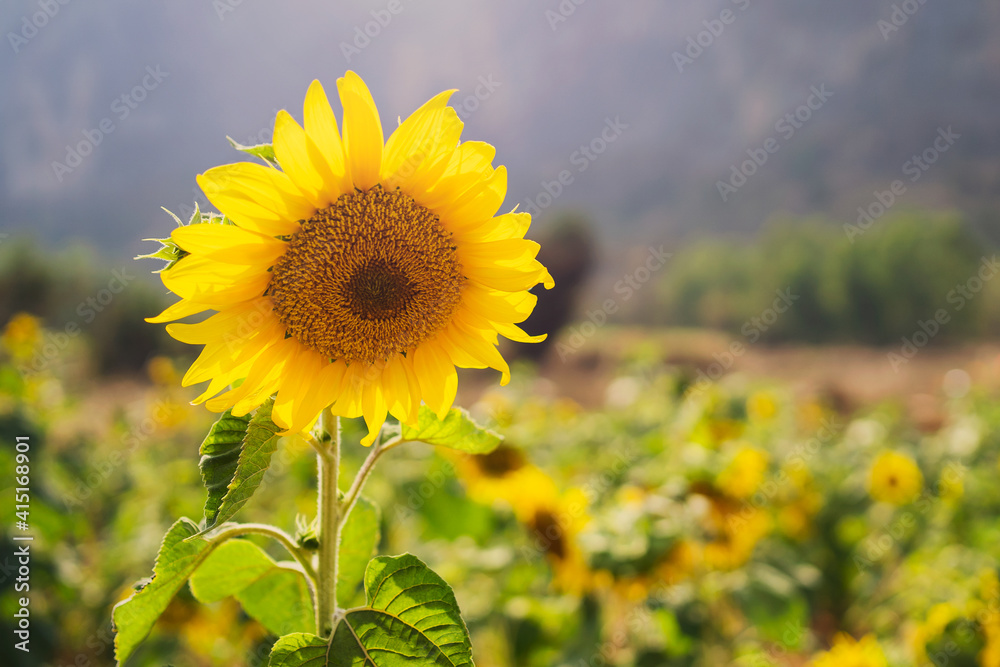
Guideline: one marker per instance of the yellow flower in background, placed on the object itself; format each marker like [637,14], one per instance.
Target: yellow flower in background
[505,475]
[680,563]
[744,474]
[989,593]
[895,479]
[554,530]
[734,529]
[762,406]
[799,502]
[848,652]
[22,335]
[938,618]
[162,372]
[361,274]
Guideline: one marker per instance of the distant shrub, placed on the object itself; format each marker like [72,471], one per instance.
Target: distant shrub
[875,290]
[74,291]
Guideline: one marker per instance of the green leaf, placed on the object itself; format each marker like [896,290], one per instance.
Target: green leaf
[359,538]
[411,619]
[259,444]
[277,597]
[177,559]
[264,151]
[301,649]
[455,431]
[219,455]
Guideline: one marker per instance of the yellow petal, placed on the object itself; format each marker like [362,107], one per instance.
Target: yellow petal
[468,165]
[256,197]
[418,139]
[322,389]
[223,380]
[211,282]
[302,161]
[363,140]
[321,126]
[290,388]
[479,206]
[514,253]
[239,320]
[437,376]
[181,309]
[496,306]
[510,279]
[517,334]
[232,350]
[374,410]
[498,228]
[261,380]
[228,243]
[476,346]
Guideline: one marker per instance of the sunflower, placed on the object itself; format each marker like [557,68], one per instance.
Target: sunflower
[895,479]
[848,652]
[360,274]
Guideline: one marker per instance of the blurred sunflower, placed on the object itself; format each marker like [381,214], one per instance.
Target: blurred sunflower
[733,528]
[505,475]
[933,626]
[744,474]
[848,652]
[680,562]
[555,528]
[360,274]
[895,479]
[762,406]
[799,501]
[21,335]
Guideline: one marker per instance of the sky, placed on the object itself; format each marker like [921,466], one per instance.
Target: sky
[643,114]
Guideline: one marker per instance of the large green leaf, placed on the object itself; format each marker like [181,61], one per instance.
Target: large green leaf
[455,431]
[411,620]
[277,597]
[219,455]
[177,559]
[259,444]
[358,540]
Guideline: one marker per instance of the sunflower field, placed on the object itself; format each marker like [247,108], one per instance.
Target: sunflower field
[672,522]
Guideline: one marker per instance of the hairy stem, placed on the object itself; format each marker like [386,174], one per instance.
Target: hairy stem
[280,536]
[329,519]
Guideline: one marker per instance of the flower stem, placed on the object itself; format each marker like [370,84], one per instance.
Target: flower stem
[354,492]
[329,525]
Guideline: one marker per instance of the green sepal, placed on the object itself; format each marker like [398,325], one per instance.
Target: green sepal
[263,151]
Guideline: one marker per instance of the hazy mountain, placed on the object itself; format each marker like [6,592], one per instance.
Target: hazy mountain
[553,76]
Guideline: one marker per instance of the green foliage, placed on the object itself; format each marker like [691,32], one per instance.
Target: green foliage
[258,445]
[456,431]
[359,539]
[220,453]
[275,595]
[86,303]
[411,618]
[175,562]
[872,288]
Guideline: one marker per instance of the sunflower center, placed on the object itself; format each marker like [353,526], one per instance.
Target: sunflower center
[373,275]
